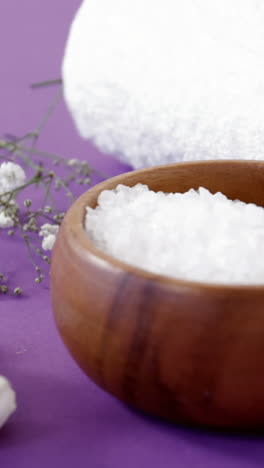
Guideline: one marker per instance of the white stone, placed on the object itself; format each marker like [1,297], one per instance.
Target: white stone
[7,400]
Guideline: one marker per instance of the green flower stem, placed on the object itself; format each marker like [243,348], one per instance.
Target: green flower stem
[41,84]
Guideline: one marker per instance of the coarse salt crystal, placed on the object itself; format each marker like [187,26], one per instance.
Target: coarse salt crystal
[196,235]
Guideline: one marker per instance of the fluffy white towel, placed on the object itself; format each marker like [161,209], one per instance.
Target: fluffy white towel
[158,81]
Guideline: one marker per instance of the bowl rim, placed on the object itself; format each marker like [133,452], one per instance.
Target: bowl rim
[74,224]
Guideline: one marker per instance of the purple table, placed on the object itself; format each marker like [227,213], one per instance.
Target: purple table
[63,419]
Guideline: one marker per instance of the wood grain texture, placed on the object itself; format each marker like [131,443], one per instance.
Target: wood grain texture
[184,351]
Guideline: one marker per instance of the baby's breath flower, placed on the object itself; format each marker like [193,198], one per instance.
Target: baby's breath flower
[49,233]
[27,203]
[18,291]
[24,219]
[72,162]
[12,176]
[5,221]
[46,259]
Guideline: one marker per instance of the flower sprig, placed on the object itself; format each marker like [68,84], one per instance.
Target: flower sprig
[23,165]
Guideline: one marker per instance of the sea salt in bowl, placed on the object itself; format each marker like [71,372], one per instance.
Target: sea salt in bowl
[190,352]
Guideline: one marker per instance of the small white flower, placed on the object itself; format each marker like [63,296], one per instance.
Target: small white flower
[72,162]
[12,176]
[48,242]
[7,400]
[5,221]
[49,233]
[47,229]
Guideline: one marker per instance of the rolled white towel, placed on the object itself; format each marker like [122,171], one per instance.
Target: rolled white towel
[7,400]
[157,81]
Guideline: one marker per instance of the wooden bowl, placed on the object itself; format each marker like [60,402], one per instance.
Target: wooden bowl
[185,351]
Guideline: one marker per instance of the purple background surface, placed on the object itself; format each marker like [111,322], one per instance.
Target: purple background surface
[63,419]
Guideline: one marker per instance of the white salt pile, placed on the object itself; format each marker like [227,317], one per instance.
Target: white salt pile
[194,236]
[158,81]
